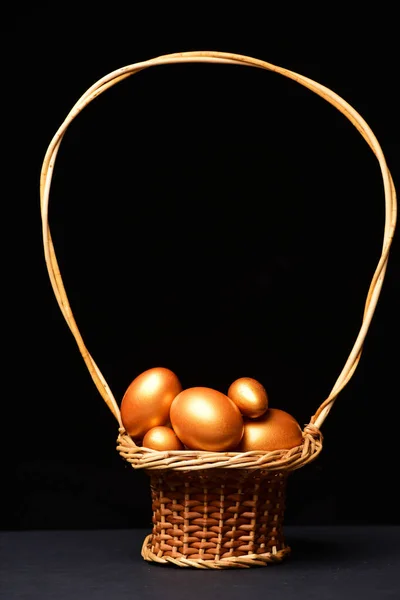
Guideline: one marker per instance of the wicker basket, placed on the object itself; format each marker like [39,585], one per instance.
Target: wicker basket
[218,509]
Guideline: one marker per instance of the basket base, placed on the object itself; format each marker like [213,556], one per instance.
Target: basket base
[250,560]
[217,518]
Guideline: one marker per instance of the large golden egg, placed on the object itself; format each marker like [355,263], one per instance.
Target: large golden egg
[249,396]
[162,438]
[275,430]
[147,401]
[205,419]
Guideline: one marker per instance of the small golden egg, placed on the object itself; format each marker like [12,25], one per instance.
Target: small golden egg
[147,401]
[205,419]
[162,438]
[249,396]
[275,430]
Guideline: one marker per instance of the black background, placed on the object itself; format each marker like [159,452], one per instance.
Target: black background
[217,220]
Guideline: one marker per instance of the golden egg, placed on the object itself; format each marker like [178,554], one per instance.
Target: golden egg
[249,396]
[147,401]
[205,419]
[275,430]
[162,438]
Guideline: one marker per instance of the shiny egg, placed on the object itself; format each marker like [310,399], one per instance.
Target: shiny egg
[205,419]
[275,430]
[250,397]
[162,438]
[147,401]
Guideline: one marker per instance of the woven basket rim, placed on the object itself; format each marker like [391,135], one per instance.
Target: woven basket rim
[217,57]
[195,460]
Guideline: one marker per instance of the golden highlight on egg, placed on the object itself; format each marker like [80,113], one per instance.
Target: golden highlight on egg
[250,397]
[147,401]
[162,438]
[275,430]
[205,419]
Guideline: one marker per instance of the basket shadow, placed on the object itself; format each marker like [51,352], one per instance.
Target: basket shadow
[306,550]
[333,545]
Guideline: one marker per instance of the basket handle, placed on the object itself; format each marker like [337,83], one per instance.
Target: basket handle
[226,58]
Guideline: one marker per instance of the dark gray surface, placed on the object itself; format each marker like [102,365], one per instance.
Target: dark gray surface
[329,562]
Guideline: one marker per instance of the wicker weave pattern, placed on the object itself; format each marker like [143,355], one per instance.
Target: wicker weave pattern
[182,460]
[218,510]
[217,515]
